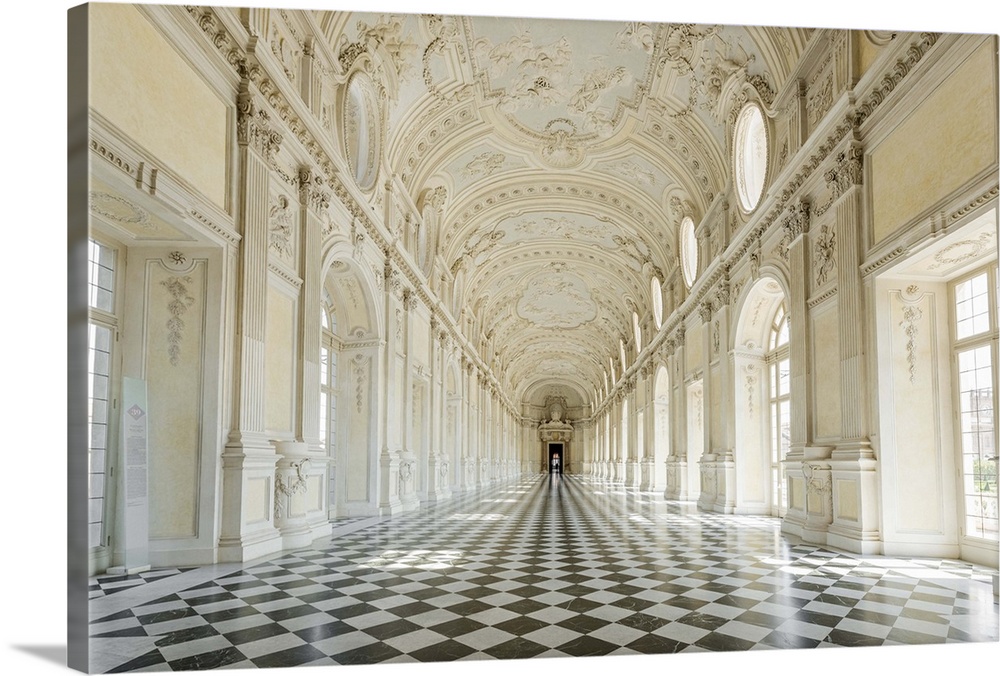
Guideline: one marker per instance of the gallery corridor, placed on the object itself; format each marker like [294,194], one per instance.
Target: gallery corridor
[555,565]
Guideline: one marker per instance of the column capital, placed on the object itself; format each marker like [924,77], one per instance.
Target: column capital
[796,223]
[253,125]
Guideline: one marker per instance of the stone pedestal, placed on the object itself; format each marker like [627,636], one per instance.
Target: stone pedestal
[647,475]
[632,477]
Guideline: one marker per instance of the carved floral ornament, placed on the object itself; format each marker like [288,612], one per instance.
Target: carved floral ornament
[181,301]
[823,254]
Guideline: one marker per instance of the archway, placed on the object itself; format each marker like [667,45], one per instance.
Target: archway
[348,414]
[761,368]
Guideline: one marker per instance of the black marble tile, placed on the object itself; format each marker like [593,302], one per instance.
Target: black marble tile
[292,611]
[476,592]
[578,605]
[850,638]
[911,637]
[633,603]
[391,629]
[289,657]
[519,626]
[264,598]
[586,646]
[229,614]
[352,610]
[162,599]
[871,616]
[466,608]
[428,593]
[786,640]
[256,633]
[410,609]
[150,659]
[445,651]
[722,642]
[703,621]
[209,660]
[323,631]
[643,622]
[685,602]
[123,615]
[122,633]
[583,624]
[516,648]
[457,627]
[166,615]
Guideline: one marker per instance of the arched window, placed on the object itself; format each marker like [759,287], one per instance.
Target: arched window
[656,293]
[750,156]
[779,395]
[689,251]
[637,331]
[621,349]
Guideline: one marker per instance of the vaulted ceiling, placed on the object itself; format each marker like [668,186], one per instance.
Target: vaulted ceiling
[569,150]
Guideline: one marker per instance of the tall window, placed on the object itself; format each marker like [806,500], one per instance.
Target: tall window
[328,390]
[975,331]
[102,328]
[778,393]
[689,251]
[656,293]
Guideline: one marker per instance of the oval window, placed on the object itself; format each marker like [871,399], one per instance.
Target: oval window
[656,292]
[689,251]
[361,125]
[750,156]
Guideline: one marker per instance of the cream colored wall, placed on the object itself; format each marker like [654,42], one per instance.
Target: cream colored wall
[693,349]
[421,342]
[826,370]
[145,88]
[279,365]
[257,501]
[173,374]
[945,142]
[716,408]
[867,52]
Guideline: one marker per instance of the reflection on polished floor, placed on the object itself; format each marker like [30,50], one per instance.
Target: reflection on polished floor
[550,566]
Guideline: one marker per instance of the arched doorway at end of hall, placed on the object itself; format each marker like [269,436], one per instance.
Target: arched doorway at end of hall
[557,457]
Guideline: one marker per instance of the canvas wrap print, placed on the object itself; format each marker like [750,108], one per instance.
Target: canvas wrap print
[422,338]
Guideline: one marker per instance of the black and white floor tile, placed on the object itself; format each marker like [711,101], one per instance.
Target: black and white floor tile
[544,567]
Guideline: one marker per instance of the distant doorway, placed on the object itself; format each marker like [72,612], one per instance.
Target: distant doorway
[557,458]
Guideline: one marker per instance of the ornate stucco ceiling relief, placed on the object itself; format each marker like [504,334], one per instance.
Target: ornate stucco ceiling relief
[560,300]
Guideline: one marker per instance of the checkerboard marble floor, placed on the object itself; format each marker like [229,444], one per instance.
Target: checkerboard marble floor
[560,566]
